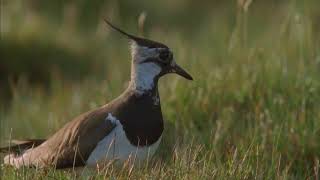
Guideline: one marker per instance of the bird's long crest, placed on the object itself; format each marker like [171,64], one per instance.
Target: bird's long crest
[138,40]
[120,31]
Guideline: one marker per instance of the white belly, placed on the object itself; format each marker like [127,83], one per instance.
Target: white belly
[116,146]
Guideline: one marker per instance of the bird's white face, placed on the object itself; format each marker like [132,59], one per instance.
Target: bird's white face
[143,74]
[160,58]
[149,64]
[141,53]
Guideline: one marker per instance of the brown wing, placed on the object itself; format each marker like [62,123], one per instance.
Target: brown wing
[71,145]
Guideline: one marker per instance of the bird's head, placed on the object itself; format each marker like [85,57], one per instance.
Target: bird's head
[151,59]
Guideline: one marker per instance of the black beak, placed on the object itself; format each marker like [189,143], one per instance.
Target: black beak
[178,70]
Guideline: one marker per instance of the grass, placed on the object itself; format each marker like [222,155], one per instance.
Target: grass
[252,112]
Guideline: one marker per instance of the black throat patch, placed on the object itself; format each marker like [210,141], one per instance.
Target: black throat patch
[140,116]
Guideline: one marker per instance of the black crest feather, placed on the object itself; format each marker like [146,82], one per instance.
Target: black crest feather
[140,41]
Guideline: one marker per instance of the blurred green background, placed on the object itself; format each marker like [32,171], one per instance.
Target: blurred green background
[256,66]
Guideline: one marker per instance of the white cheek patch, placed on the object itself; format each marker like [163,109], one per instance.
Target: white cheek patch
[142,78]
[143,74]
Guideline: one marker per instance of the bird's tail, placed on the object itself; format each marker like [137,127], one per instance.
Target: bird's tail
[19,146]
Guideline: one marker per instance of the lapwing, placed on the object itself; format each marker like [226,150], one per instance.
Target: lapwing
[128,128]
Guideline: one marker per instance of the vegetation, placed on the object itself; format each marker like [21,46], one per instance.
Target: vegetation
[252,111]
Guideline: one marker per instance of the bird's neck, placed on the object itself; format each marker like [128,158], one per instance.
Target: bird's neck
[144,77]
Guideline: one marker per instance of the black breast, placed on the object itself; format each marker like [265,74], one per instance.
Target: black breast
[140,117]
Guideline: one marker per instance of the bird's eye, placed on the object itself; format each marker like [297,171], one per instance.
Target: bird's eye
[164,56]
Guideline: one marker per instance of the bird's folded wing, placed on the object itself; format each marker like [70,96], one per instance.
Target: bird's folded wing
[70,146]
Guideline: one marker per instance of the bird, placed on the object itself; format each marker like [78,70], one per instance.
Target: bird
[130,127]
